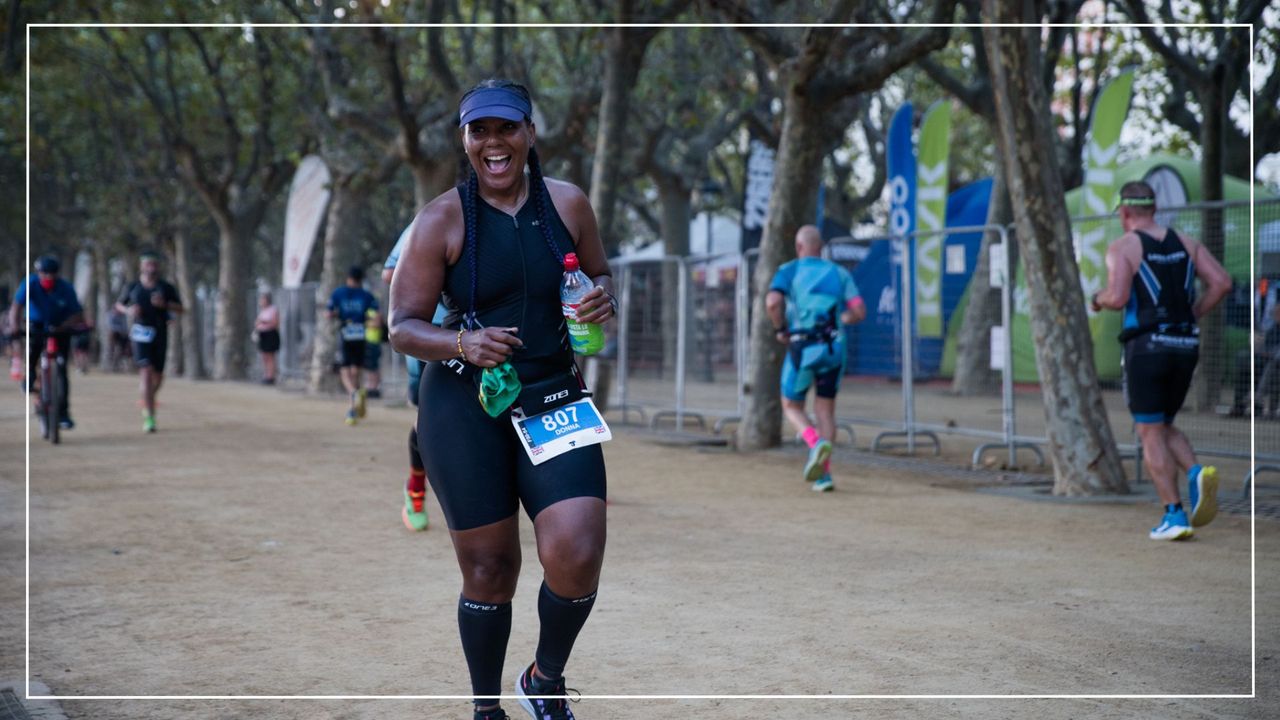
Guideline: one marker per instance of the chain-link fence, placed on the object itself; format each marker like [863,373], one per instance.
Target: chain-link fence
[873,394]
[649,331]
[712,374]
[297,308]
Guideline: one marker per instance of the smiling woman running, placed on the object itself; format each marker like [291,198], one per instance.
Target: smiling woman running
[493,251]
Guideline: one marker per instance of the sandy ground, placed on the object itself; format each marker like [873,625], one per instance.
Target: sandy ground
[254,546]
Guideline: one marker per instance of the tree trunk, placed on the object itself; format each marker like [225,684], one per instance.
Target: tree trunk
[674,223]
[1213,102]
[791,204]
[432,179]
[90,305]
[231,326]
[974,375]
[174,364]
[106,301]
[341,222]
[624,50]
[1085,459]
[189,321]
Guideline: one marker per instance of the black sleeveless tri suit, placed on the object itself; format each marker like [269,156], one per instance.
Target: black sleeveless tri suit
[1161,340]
[475,463]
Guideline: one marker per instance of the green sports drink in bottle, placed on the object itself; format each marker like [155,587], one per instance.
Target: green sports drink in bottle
[585,338]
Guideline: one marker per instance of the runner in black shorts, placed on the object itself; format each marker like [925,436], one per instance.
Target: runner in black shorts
[349,304]
[1151,276]
[495,244]
[149,303]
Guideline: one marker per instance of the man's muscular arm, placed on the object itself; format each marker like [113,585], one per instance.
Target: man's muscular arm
[1120,270]
[1217,283]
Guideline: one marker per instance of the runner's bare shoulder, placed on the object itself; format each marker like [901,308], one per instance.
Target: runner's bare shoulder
[572,205]
[1191,244]
[1129,246]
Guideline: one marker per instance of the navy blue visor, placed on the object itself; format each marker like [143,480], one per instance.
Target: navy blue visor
[493,102]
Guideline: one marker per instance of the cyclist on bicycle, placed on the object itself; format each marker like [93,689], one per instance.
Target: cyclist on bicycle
[55,310]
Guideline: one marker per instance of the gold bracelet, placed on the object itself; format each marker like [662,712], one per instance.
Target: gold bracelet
[461,352]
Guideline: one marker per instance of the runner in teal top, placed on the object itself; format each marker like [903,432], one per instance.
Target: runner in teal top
[817,298]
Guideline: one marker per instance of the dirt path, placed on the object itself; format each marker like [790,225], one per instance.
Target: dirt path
[253,546]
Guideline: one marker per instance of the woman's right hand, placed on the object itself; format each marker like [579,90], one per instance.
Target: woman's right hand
[490,347]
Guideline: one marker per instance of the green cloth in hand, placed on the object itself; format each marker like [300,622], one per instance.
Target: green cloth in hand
[499,387]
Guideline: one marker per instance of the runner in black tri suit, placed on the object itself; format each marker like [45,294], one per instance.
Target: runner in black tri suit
[495,245]
[1151,276]
[149,302]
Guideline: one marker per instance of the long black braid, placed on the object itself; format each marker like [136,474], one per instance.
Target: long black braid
[538,188]
[469,202]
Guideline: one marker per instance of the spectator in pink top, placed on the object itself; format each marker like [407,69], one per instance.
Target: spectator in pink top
[267,328]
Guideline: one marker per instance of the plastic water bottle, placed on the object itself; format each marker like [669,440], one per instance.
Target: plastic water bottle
[585,338]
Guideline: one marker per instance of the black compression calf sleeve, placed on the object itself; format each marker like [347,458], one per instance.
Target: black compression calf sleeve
[484,628]
[415,459]
[561,620]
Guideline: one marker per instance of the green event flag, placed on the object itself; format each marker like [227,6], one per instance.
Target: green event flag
[931,216]
[1097,199]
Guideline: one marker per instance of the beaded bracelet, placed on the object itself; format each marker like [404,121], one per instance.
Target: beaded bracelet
[461,352]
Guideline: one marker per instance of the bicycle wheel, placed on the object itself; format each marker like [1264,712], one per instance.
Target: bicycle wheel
[45,396]
[56,392]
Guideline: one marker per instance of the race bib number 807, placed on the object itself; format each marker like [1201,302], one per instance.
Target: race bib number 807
[561,430]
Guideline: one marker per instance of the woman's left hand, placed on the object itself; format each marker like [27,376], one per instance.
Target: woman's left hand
[596,307]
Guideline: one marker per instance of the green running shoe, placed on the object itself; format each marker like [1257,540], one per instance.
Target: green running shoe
[818,456]
[414,512]
[149,423]
[351,416]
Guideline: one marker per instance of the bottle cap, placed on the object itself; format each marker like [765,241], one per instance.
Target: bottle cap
[570,262]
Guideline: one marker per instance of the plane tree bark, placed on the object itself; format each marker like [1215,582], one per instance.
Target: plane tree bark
[1081,445]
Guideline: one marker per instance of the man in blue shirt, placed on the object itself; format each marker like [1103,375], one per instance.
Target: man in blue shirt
[55,311]
[349,305]
[809,301]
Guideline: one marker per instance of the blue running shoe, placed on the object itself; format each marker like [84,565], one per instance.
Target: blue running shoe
[1174,526]
[556,708]
[824,484]
[1202,489]
[818,455]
